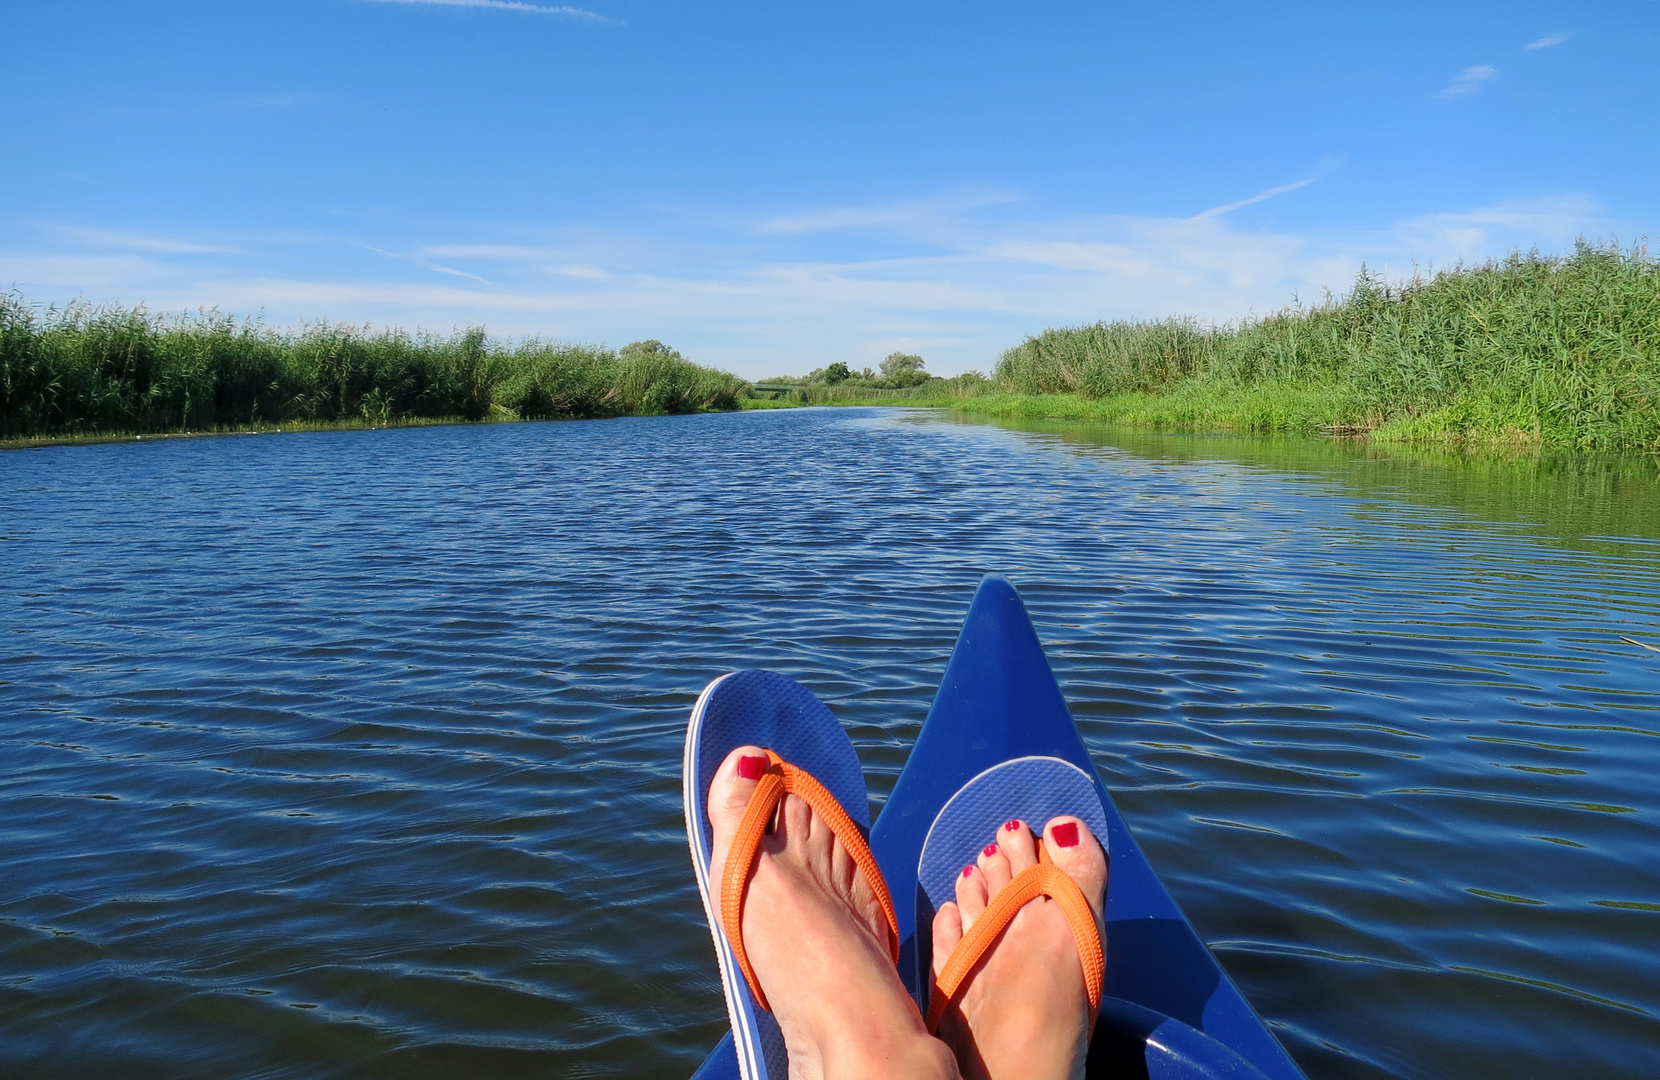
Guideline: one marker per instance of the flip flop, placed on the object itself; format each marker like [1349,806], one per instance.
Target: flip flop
[810,756]
[1033,790]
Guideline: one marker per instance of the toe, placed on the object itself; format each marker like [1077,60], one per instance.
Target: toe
[797,822]
[729,794]
[994,869]
[1077,853]
[948,930]
[971,894]
[1018,845]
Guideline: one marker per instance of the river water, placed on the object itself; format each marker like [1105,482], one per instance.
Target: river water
[357,754]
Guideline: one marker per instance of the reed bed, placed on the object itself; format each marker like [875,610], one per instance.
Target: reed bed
[1548,350]
[84,370]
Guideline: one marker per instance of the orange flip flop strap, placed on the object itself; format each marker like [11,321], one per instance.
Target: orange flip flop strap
[780,779]
[1044,879]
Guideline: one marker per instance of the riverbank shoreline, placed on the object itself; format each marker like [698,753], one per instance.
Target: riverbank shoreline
[1266,410]
[1258,411]
[98,438]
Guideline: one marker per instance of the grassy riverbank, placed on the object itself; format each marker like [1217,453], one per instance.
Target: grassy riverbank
[1526,351]
[1555,351]
[89,372]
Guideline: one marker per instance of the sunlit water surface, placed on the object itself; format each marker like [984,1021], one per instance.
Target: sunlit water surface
[357,754]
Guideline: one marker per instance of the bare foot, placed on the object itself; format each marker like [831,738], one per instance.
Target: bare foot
[1023,1012]
[818,941]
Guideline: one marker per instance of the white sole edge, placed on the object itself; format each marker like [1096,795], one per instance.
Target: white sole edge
[744,1039]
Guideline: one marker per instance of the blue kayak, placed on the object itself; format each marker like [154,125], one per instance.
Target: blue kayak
[1171,1012]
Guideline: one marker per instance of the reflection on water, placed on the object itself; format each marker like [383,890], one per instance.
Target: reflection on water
[357,754]
[1569,497]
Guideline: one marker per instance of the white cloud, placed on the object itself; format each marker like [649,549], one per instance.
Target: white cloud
[1548,41]
[1553,221]
[971,287]
[1470,79]
[132,241]
[970,296]
[112,276]
[565,12]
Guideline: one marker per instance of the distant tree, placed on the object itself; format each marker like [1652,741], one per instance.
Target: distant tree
[900,370]
[836,373]
[899,363]
[652,347]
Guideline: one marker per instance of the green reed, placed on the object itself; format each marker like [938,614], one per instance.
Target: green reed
[84,370]
[1532,349]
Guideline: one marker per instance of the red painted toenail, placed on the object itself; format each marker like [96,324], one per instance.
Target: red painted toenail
[1013,826]
[991,849]
[968,871]
[752,768]
[1065,834]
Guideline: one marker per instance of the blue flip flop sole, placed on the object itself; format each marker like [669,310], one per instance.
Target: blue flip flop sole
[759,708]
[1032,789]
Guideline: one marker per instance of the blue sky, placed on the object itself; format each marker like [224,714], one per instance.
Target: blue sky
[773,186]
